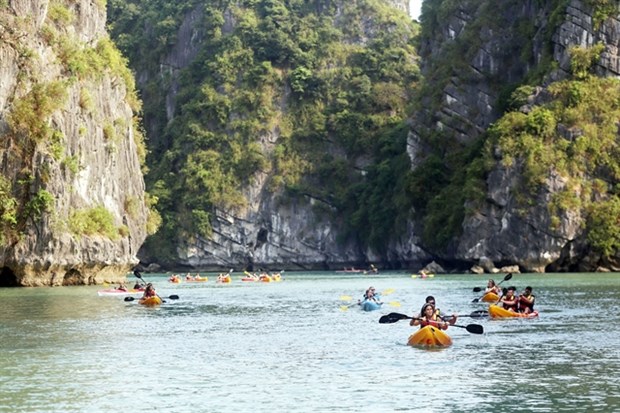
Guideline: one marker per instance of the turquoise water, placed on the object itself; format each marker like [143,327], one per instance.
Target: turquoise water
[288,346]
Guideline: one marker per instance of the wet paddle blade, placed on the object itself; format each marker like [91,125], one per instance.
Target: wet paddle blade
[475,328]
[346,297]
[394,304]
[392,318]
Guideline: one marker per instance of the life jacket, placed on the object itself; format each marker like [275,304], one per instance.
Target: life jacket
[432,322]
[523,305]
[513,307]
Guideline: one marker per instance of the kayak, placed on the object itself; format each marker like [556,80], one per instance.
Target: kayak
[174,280]
[114,292]
[490,298]
[496,311]
[224,280]
[200,280]
[429,336]
[265,278]
[414,276]
[249,279]
[370,305]
[150,302]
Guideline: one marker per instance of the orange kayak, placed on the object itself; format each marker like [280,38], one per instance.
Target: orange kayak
[429,336]
[496,311]
[150,302]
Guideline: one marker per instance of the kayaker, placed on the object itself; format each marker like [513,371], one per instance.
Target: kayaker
[138,286]
[492,287]
[428,317]
[431,300]
[526,301]
[369,292]
[122,287]
[149,291]
[370,295]
[509,300]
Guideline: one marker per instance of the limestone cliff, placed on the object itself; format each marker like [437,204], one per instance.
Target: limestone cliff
[496,54]
[268,228]
[72,200]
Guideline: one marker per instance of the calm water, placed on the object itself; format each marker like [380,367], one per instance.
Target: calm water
[281,347]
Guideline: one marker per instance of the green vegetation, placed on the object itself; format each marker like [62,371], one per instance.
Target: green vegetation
[340,130]
[574,137]
[30,113]
[601,10]
[8,210]
[93,221]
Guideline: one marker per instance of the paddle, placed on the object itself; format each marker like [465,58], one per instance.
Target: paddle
[394,317]
[139,276]
[391,304]
[384,292]
[506,278]
[172,297]
[475,314]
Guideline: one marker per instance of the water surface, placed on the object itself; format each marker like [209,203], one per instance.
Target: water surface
[276,347]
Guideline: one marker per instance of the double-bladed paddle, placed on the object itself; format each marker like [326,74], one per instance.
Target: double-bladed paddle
[474,314]
[478,289]
[394,317]
[172,297]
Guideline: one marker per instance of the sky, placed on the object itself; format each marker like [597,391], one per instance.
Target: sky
[414,8]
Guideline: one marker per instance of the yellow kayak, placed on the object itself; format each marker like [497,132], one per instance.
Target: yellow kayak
[150,302]
[496,311]
[490,298]
[429,336]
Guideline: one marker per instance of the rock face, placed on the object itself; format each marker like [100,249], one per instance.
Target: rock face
[272,231]
[73,201]
[495,54]
[502,230]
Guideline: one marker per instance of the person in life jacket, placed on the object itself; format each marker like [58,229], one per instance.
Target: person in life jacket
[509,300]
[492,287]
[429,317]
[371,295]
[431,300]
[149,291]
[526,301]
[370,292]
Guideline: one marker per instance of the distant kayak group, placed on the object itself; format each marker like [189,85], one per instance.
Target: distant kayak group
[147,295]
[226,278]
